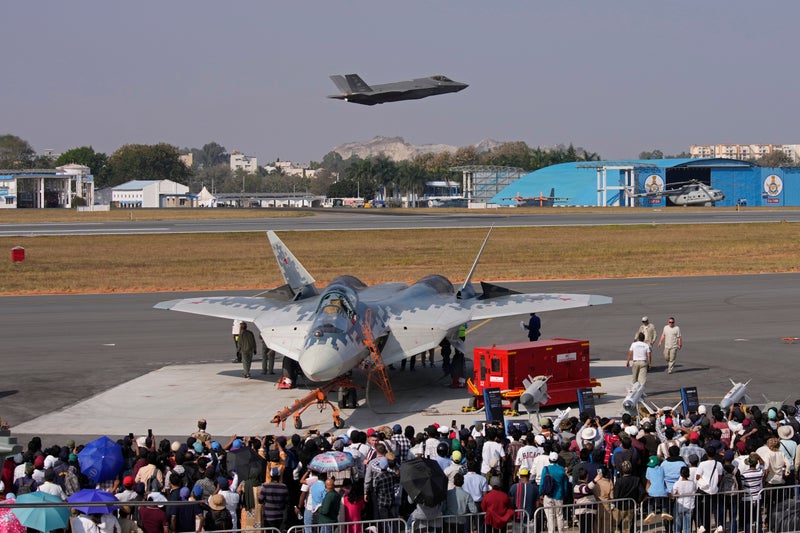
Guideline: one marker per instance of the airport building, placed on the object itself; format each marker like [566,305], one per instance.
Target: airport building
[152,193]
[622,183]
[46,188]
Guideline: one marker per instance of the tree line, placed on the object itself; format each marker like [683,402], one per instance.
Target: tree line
[335,176]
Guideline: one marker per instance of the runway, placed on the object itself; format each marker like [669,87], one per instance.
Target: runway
[94,364]
[362,219]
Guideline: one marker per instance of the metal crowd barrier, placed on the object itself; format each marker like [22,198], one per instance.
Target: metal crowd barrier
[604,516]
[388,525]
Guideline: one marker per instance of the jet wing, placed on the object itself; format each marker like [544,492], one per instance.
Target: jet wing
[414,330]
[245,308]
[283,326]
[518,304]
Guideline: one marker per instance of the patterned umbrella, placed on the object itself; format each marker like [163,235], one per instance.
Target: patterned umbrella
[331,462]
[9,521]
[93,496]
[41,518]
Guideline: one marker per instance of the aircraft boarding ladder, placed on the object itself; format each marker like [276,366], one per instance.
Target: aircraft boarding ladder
[377,373]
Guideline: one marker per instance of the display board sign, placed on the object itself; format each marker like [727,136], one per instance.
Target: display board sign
[586,402]
[690,399]
[493,400]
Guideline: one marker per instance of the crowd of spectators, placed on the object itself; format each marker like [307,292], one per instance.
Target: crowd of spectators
[680,466]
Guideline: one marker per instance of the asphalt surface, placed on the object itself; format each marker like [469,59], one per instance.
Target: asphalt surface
[340,219]
[111,354]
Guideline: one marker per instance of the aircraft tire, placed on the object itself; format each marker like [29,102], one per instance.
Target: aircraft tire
[298,424]
[338,422]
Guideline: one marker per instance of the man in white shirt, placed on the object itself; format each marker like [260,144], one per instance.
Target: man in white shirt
[707,477]
[525,457]
[49,486]
[672,341]
[639,353]
[493,452]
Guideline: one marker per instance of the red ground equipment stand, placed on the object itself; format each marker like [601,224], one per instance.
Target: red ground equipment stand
[505,366]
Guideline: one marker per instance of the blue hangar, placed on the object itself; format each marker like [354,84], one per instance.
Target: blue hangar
[613,183]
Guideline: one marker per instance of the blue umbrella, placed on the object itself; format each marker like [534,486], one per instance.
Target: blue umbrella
[93,496]
[101,460]
[41,518]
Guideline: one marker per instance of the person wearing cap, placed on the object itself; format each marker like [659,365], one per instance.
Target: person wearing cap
[128,494]
[231,498]
[273,496]
[153,517]
[181,517]
[692,447]
[524,493]
[384,487]
[649,331]
[638,360]
[217,516]
[553,503]
[789,448]
[247,348]
[672,341]
[656,487]
[457,465]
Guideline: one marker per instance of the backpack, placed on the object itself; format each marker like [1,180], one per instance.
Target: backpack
[25,486]
[728,483]
[153,484]
[548,487]
[218,520]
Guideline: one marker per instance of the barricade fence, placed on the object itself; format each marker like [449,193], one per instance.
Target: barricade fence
[774,509]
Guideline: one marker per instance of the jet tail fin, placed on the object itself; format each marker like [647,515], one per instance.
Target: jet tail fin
[467,290]
[341,83]
[296,276]
[356,84]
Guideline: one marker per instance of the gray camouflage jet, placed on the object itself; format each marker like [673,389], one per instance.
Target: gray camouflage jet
[355,90]
[332,330]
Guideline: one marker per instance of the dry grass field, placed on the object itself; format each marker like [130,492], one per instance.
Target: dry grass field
[134,263]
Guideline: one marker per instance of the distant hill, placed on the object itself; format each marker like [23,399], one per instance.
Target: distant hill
[397,149]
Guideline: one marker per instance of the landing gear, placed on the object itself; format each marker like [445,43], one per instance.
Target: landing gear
[298,424]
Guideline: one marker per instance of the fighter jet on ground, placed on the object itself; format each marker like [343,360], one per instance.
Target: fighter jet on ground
[355,90]
[333,330]
[538,201]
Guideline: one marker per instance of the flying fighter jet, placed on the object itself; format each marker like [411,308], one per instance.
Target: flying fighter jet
[692,192]
[332,330]
[355,90]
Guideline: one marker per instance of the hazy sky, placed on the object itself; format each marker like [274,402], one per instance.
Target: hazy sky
[616,77]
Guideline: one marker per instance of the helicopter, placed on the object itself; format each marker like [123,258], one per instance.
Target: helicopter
[692,192]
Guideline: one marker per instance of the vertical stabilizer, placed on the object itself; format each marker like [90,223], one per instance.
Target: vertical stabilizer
[467,290]
[357,85]
[294,274]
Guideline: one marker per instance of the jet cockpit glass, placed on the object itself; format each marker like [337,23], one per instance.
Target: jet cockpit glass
[336,302]
[442,78]
[335,314]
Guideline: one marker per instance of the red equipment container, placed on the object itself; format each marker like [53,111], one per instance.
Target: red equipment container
[505,366]
[17,254]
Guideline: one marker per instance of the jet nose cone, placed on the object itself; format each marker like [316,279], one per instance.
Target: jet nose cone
[321,363]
